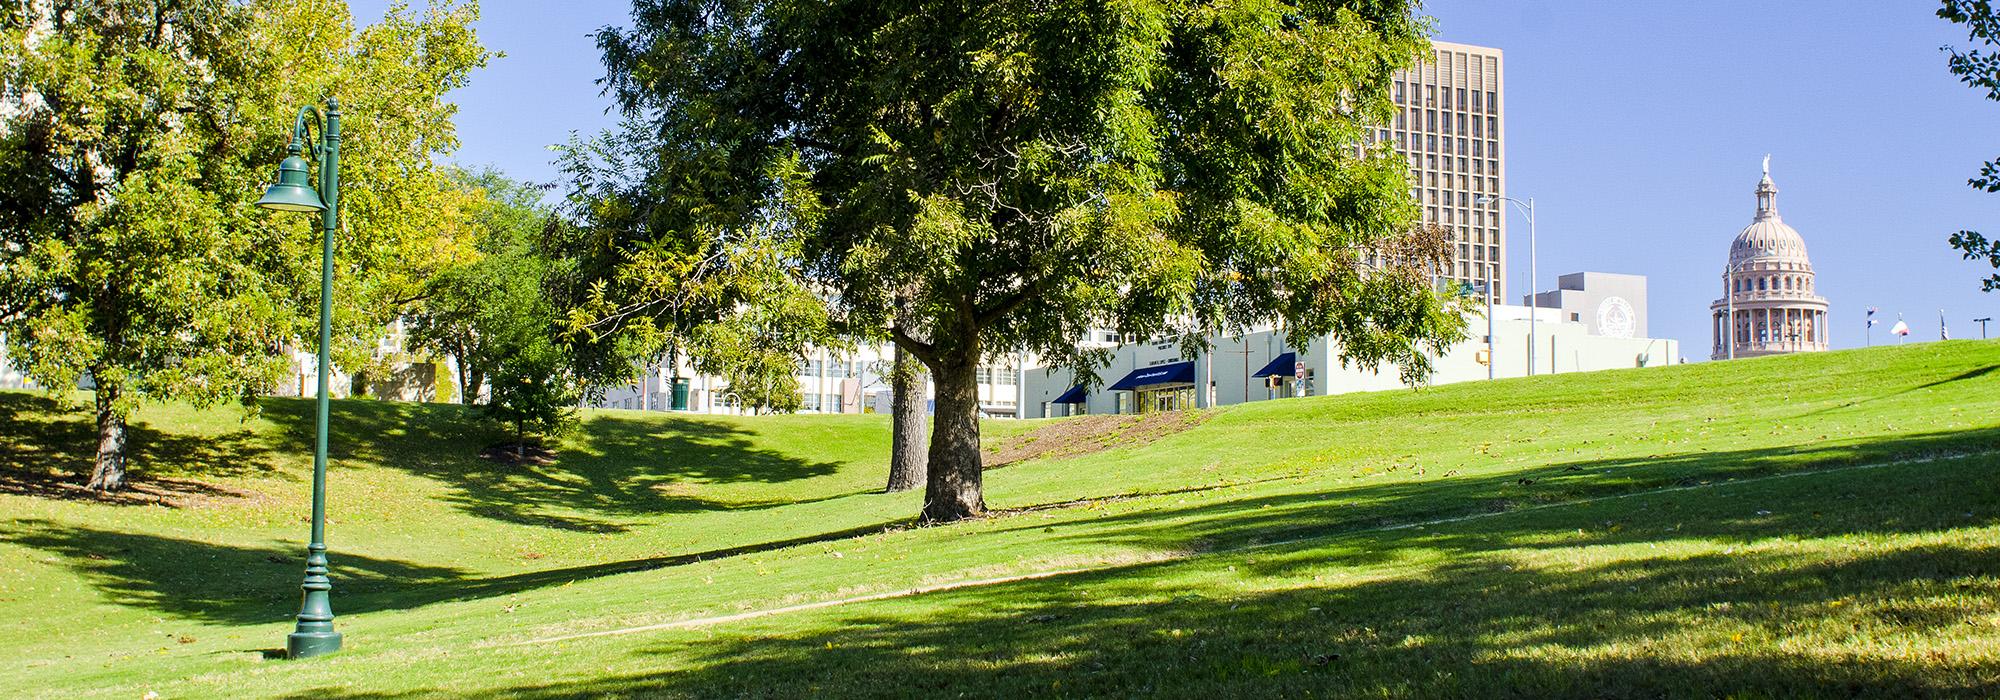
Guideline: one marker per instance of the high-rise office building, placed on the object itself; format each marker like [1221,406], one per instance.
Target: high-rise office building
[1450,127]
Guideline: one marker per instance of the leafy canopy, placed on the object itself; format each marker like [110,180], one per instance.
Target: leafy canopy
[1012,174]
[1980,68]
[134,137]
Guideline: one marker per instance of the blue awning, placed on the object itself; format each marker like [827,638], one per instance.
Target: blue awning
[1176,373]
[1281,365]
[1074,395]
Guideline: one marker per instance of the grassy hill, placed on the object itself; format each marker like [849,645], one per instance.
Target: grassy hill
[1808,525]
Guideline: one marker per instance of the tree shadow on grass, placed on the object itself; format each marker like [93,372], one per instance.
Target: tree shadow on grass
[47,450]
[1357,505]
[1828,621]
[217,582]
[614,468]
[251,585]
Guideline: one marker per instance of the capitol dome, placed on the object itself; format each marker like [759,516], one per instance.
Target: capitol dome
[1768,236]
[1768,288]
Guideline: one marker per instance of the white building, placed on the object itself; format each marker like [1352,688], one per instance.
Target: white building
[10,376]
[853,382]
[1267,364]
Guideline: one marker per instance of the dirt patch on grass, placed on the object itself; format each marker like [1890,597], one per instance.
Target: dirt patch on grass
[1070,437]
[513,453]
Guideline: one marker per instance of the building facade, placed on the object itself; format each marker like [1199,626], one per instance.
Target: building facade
[1450,127]
[1606,303]
[1770,302]
[1264,364]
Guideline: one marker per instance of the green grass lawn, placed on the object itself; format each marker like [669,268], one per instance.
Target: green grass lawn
[1823,525]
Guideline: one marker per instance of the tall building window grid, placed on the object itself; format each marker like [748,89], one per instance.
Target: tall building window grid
[1455,90]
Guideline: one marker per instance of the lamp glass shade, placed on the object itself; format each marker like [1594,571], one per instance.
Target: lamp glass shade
[293,191]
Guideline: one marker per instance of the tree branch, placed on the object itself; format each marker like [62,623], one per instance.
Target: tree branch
[924,351]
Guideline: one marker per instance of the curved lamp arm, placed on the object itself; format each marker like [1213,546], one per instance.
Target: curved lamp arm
[300,132]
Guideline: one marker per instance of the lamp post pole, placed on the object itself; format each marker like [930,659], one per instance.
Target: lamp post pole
[1534,288]
[1982,325]
[1491,361]
[314,633]
[1534,292]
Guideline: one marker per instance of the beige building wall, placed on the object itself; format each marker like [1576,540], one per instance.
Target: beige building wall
[1451,127]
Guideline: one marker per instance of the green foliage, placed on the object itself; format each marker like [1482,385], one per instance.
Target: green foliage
[480,310]
[732,300]
[979,180]
[495,314]
[137,135]
[1027,172]
[533,386]
[1978,67]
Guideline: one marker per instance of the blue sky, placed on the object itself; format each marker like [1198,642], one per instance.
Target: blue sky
[1638,128]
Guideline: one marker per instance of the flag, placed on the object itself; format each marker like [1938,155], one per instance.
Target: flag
[1900,328]
[1871,317]
[1944,332]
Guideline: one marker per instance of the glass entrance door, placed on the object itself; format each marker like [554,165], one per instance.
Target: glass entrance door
[1170,399]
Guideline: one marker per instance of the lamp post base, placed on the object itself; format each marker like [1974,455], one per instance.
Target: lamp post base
[305,645]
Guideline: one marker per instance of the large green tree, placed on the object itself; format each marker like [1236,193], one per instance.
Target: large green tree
[977,179]
[134,137]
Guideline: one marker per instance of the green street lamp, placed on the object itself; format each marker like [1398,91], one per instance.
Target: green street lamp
[294,192]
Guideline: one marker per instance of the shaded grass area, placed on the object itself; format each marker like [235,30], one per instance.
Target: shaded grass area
[1876,583]
[644,518]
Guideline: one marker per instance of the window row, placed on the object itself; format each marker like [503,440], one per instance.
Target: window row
[829,403]
[1431,161]
[834,369]
[1430,143]
[1480,101]
[1775,283]
[1478,253]
[1454,217]
[1449,123]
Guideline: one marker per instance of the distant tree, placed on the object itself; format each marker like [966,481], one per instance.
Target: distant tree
[534,385]
[465,310]
[977,179]
[135,136]
[1979,67]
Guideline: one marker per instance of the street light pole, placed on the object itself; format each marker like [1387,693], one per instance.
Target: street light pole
[314,633]
[1534,292]
[1982,326]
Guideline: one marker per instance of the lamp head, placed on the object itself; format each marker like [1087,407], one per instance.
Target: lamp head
[293,191]
[1485,199]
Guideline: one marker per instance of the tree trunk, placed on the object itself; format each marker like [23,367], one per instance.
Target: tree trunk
[468,388]
[955,490]
[478,384]
[109,473]
[906,443]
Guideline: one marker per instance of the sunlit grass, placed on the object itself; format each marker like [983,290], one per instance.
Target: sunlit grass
[1840,581]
